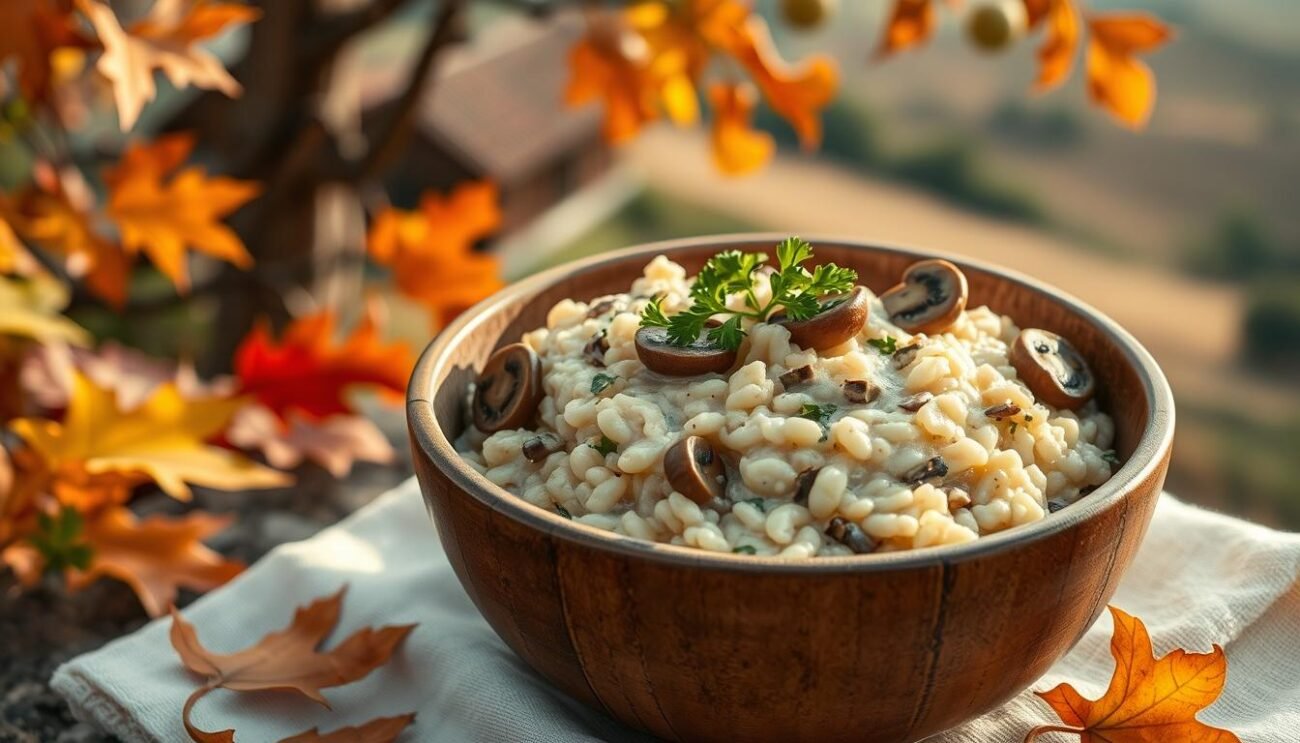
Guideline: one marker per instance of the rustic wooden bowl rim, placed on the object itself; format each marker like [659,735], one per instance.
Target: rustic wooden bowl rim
[1155,441]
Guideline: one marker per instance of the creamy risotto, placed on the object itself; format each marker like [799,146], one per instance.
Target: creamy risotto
[886,440]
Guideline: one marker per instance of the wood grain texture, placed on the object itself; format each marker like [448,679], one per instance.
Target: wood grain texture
[691,645]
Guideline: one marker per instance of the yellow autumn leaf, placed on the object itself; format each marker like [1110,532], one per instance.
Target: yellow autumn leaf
[162,439]
[162,216]
[167,40]
[29,308]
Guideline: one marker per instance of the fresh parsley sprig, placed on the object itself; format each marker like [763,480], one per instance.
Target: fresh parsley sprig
[794,289]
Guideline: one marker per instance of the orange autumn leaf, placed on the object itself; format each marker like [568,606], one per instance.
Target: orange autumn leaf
[48,215]
[612,64]
[308,372]
[155,556]
[1056,55]
[162,211]
[30,32]
[1117,80]
[737,147]
[1149,700]
[1036,11]
[167,40]
[911,23]
[797,93]
[163,440]
[379,730]
[290,659]
[431,250]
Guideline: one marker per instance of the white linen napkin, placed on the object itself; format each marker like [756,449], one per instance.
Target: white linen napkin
[1200,579]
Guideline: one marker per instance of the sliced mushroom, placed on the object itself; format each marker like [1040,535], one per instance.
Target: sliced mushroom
[931,469]
[930,297]
[905,355]
[540,447]
[1003,411]
[841,317]
[860,391]
[695,470]
[803,485]
[850,535]
[1051,368]
[915,402]
[600,308]
[508,390]
[595,349]
[797,376]
[701,357]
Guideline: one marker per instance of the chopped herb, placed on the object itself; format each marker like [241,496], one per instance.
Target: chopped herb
[744,549]
[887,345]
[563,511]
[601,382]
[1111,457]
[756,503]
[820,413]
[796,291]
[58,539]
[1014,426]
[605,446]
[1028,417]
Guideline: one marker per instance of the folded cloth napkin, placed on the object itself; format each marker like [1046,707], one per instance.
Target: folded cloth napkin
[1199,579]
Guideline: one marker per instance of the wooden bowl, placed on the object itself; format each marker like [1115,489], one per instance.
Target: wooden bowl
[692,645]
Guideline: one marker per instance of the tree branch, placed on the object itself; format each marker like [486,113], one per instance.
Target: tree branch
[397,125]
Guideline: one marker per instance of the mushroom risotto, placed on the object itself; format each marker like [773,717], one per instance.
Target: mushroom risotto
[786,410]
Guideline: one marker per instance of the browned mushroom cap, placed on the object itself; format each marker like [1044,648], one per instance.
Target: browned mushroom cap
[930,297]
[695,470]
[701,357]
[1051,368]
[508,390]
[841,317]
[850,535]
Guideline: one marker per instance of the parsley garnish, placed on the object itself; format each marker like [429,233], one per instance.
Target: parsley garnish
[1014,426]
[1110,457]
[601,382]
[820,413]
[606,445]
[887,345]
[744,549]
[794,289]
[58,539]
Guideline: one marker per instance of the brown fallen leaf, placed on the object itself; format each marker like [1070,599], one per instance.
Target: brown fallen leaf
[289,659]
[1148,700]
[155,556]
[379,730]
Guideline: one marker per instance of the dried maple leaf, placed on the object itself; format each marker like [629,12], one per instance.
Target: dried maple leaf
[154,556]
[167,39]
[737,147]
[1148,700]
[334,443]
[379,730]
[1056,55]
[29,308]
[308,372]
[1117,79]
[162,440]
[431,250]
[910,24]
[289,659]
[162,215]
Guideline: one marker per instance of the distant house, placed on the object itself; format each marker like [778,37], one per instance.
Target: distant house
[496,111]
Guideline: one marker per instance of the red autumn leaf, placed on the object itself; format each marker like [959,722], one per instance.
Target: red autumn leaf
[308,372]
